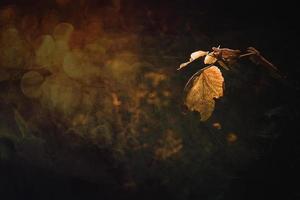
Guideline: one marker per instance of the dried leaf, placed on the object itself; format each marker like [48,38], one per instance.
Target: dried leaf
[183,65]
[210,58]
[207,86]
[194,56]
[226,53]
[198,54]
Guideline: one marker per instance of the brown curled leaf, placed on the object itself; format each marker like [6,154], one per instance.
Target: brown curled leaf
[226,53]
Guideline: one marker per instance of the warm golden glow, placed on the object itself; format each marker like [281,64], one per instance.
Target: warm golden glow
[231,138]
[96,85]
[217,125]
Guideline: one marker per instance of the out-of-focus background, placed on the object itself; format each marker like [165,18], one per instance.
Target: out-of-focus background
[91,104]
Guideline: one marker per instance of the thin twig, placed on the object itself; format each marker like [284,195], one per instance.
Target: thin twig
[246,54]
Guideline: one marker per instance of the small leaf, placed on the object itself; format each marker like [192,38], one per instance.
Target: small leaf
[198,54]
[194,56]
[226,53]
[183,65]
[210,58]
[207,86]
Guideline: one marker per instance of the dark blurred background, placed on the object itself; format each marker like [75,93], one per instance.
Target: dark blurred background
[45,154]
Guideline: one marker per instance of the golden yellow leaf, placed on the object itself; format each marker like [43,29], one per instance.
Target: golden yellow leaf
[207,86]
[210,59]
